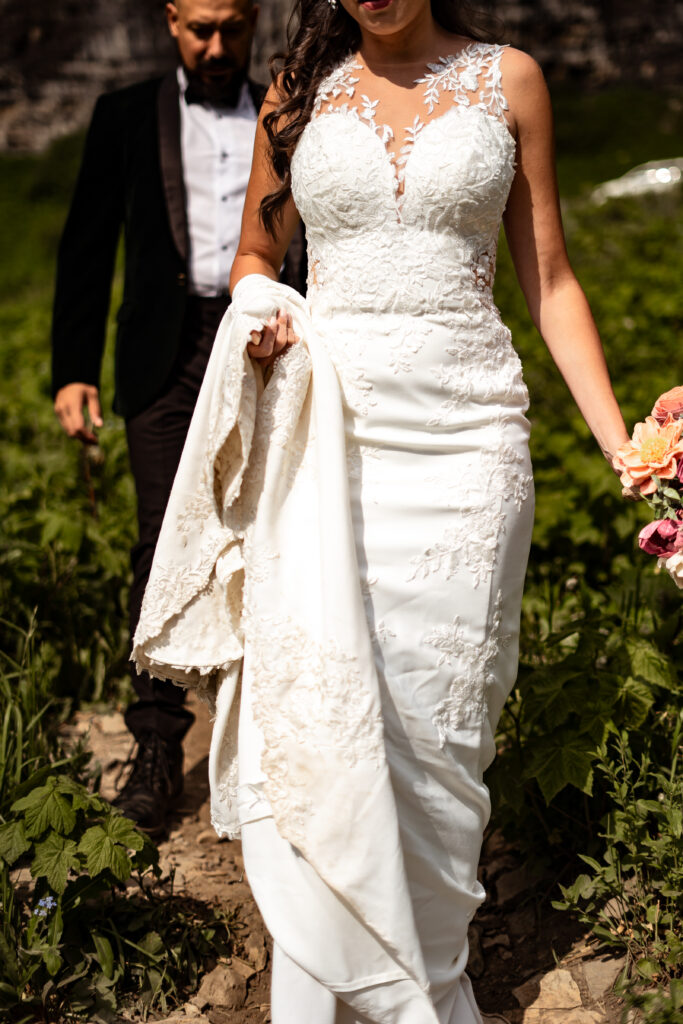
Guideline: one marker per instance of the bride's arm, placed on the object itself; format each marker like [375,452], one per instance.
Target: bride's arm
[259,251]
[533,226]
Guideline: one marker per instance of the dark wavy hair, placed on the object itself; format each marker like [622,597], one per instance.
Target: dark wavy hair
[319,37]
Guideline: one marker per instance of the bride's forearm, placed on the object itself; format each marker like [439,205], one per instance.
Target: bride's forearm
[250,263]
[566,324]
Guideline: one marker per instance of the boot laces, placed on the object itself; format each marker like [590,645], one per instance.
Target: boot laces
[149,767]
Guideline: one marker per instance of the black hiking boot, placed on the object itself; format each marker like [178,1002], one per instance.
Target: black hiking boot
[155,780]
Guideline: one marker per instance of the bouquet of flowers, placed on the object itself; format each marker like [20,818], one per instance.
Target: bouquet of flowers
[652,463]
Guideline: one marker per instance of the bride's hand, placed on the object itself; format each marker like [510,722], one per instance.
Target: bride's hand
[272,340]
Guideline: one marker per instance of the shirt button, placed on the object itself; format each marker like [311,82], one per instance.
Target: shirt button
[224,155]
[224,199]
[181,278]
[224,248]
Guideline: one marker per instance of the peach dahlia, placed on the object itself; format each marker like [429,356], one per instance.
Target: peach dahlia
[653,451]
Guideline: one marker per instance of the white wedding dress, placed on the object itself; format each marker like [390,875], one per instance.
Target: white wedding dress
[342,561]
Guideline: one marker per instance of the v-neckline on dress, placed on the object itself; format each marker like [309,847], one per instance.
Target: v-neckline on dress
[443,74]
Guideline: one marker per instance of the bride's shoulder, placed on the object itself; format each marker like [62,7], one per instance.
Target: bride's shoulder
[519,69]
[524,88]
[275,93]
[278,101]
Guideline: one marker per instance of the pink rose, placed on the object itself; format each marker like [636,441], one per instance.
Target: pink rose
[669,404]
[660,538]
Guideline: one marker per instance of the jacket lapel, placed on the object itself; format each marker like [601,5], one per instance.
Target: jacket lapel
[170,157]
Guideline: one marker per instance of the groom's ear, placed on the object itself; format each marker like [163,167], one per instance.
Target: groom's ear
[172,18]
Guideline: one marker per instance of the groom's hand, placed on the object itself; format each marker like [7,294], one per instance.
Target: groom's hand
[69,404]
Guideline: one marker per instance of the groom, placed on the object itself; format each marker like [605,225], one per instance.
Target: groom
[168,160]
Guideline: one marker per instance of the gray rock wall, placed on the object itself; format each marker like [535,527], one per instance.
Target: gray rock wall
[56,56]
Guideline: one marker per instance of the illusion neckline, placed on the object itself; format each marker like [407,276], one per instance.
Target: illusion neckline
[438,64]
[342,81]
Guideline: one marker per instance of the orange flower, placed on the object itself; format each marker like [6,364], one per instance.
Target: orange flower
[654,449]
[669,404]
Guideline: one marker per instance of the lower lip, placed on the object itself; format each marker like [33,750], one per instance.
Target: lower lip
[376,5]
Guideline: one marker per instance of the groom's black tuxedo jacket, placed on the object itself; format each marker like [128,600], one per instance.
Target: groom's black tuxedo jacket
[131,175]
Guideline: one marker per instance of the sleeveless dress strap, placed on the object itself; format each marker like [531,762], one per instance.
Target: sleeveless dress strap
[472,76]
[492,97]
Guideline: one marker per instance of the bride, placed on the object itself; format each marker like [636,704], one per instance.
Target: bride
[341,566]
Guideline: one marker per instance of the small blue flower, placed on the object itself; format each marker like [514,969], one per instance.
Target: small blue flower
[47,903]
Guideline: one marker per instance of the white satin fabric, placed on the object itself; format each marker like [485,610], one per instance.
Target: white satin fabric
[354,538]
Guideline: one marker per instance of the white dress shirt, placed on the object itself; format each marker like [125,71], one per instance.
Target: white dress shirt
[216,146]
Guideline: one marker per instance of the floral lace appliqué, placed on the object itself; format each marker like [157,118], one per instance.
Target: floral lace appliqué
[475,671]
[470,545]
[307,697]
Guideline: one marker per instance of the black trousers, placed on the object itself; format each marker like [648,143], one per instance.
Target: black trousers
[156,437]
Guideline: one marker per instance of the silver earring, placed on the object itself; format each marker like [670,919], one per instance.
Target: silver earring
[333,4]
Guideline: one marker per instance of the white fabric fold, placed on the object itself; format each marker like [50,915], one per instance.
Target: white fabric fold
[256,569]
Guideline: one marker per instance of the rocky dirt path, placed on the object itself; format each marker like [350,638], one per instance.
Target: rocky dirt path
[529,964]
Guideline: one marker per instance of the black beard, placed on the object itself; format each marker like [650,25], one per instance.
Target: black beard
[220,90]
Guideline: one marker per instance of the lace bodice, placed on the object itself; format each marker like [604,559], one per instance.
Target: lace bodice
[405,218]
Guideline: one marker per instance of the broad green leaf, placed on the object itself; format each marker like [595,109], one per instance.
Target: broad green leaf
[46,808]
[84,801]
[591,862]
[676,992]
[632,702]
[81,799]
[154,980]
[29,786]
[104,953]
[675,818]
[122,830]
[648,663]
[562,759]
[13,841]
[35,796]
[153,944]
[647,968]
[544,692]
[103,854]
[53,859]
[105,997]
[607,935]
[52,961]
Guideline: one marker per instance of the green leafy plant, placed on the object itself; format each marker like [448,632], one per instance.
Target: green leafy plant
[86,922]
[600,662]
[632,897]
[76,938]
